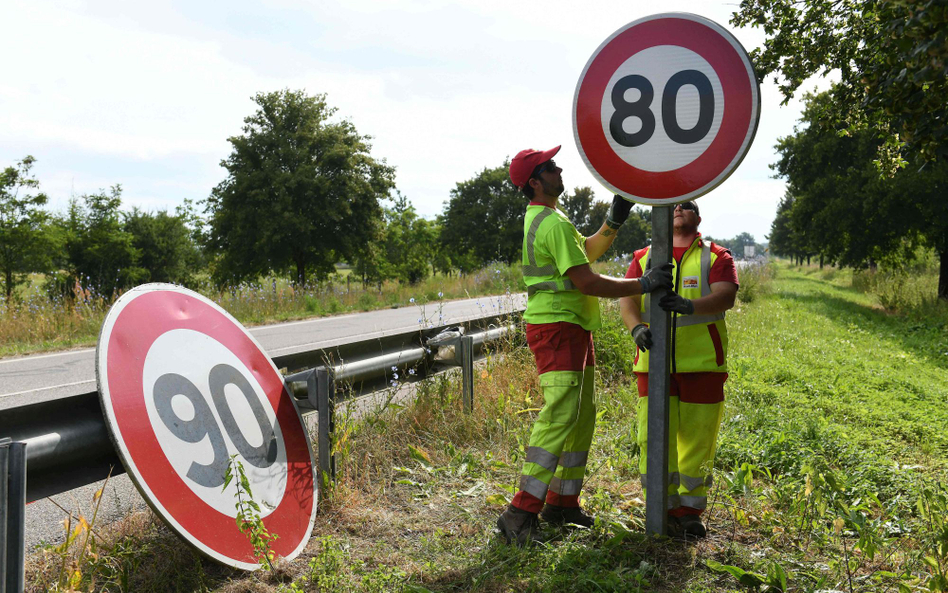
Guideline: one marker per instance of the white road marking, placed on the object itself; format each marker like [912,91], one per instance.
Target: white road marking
[48,388]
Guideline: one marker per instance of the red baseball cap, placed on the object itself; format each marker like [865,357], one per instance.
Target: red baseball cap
[522,165]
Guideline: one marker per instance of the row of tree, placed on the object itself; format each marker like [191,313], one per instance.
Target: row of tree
[866,172]
[94,245]
[302,194]
[838,207]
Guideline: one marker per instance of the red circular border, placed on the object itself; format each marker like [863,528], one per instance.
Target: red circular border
[738,115]
[137,327]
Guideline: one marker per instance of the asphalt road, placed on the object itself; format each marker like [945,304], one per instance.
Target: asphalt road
[43,377]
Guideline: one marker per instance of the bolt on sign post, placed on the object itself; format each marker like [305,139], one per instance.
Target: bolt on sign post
[664,111]
[184,388]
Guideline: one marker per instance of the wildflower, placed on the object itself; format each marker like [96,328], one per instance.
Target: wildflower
[440,294]
[411,371]
[411,300]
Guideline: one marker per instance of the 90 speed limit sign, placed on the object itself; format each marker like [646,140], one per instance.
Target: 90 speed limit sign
[184,387]
[666,108]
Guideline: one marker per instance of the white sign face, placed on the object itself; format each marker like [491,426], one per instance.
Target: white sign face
[666,108]
[185,388]
[653,150]
[211,388]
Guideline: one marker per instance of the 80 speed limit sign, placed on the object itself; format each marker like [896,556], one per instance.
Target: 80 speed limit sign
[666,108]
[184,387]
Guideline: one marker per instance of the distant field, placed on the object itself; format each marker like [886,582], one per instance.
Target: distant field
[830,474]
[37,323]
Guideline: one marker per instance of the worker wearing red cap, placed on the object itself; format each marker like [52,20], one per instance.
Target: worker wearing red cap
[561,313]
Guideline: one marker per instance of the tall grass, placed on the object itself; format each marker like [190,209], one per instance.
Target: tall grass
[35,322]
[830,472]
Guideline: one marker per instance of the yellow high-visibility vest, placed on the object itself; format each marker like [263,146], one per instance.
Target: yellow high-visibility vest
[699,342]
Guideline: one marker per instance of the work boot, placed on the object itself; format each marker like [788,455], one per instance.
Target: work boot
[673,528]
[519,527]
[557,515]
[692,526]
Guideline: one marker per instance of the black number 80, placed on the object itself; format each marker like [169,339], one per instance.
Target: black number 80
[641,109]
[204,424]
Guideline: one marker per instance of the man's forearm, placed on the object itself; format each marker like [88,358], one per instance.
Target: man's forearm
[713,303]
[629,311]
[604,286]
[599,243]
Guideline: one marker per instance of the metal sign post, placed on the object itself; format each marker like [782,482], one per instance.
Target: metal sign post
[664,111]
[659,365]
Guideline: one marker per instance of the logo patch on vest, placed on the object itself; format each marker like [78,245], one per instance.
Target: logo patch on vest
[689,282]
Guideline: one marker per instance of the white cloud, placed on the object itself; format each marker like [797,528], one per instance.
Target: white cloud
[146,94]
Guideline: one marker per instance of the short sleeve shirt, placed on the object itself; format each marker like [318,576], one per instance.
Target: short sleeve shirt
[723,269]
[561,244]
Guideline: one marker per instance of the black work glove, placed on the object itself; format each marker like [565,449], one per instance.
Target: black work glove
[642,336]
[677,304]
[655,278]
[618,212]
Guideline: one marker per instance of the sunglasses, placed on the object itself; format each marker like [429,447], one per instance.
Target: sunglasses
[687,206]
[550,165]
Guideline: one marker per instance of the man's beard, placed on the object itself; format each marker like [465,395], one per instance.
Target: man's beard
[552,188]
[684,228]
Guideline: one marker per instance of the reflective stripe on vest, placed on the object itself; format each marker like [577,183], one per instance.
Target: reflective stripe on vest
[532,271]
[686,320]
[697,349]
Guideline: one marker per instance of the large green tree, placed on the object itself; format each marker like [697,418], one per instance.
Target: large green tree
[165,244]
[892,59]
[302,192]
[838,206]
[483,220]
[101,254]
[25,240]
[410,242]
[578,207]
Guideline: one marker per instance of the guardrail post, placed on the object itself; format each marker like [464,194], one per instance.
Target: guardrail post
[12,515]
[467,372]
[325,385]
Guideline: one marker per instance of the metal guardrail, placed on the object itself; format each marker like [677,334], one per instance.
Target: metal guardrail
[56,446]
[68,444]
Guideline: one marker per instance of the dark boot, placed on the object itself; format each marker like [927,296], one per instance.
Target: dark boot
[557,515]
[519,527]
[692,526]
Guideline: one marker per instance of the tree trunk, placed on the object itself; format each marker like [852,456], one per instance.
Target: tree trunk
[9,279]
[821,261]
[807,259]
[300,272]
[943,273]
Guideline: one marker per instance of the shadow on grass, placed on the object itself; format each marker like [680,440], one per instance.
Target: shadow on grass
[927,341]
[581,563]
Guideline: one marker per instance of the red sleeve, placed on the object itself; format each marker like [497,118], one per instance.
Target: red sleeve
[635,268]
[723,269]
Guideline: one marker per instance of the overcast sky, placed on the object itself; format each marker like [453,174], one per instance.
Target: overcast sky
[145,94]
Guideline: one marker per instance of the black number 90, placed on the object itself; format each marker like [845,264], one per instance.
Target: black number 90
[205,425]
[641,108]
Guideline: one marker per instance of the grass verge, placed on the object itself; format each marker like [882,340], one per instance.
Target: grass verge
[829,475]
